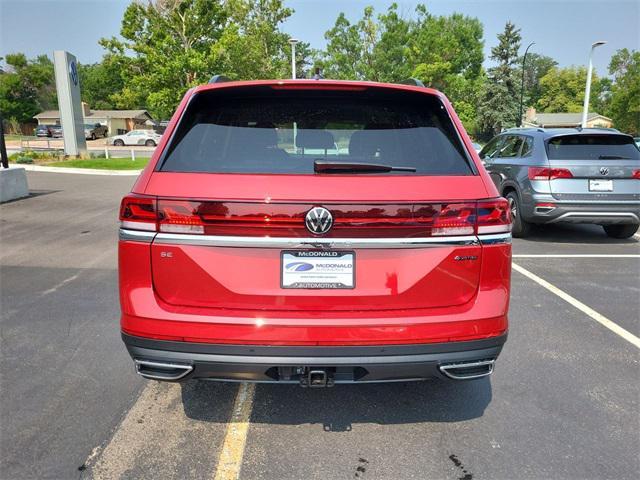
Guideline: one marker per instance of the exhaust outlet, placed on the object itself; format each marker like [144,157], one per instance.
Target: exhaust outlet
[468,370]
[162,370]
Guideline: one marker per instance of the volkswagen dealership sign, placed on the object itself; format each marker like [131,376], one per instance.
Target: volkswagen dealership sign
[68,88]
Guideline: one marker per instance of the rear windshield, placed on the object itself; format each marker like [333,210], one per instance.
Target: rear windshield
[592,147]
[271,130]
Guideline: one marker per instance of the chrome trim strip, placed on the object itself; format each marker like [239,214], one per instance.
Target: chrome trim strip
[495,239]
[136,235]
[629,215]
[482,363]
[289,242]
[186,369]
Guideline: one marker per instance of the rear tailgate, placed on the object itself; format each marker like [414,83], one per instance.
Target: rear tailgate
[238,262]
[233,187]
[594,167]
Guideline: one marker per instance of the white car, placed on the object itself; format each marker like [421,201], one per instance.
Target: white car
[137,137]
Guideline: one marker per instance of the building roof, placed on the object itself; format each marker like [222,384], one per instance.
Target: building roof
[568,119]
[141,114]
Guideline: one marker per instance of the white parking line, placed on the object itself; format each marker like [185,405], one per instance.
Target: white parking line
[586,255]
[232,452]
[601,319]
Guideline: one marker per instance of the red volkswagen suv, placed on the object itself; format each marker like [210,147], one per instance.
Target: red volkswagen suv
[314,232]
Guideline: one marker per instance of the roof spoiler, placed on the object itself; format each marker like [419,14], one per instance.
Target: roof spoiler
[219,79]
[412,81]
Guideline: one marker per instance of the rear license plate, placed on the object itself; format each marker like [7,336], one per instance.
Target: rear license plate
[601,185]
[313,269]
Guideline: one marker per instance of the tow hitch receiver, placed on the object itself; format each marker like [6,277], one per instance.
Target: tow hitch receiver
[317,378]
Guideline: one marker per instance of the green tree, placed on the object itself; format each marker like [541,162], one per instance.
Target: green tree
[445,52]
[537,66]
[499,106]
[563,91]
[27,87]
[252,46]
[99,82]
[171,42]
[168,46]
[625,91]
[350,48]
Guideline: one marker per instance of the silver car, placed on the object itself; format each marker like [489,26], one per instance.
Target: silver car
[148,138]
[567,175]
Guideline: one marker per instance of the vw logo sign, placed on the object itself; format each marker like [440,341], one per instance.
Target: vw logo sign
[318,220]
[604,171]
[73,72]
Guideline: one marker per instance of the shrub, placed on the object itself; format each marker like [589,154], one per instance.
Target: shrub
[24,159]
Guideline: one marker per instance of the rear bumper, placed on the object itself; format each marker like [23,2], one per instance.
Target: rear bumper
[178,361]
[598,213]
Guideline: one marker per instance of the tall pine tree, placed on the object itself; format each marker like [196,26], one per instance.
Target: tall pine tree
[499,107]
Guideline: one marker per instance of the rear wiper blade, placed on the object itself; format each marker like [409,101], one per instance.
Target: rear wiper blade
[613,157]
[329,166]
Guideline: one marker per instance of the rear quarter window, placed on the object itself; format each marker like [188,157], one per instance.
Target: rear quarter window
[592,147]
[265,130]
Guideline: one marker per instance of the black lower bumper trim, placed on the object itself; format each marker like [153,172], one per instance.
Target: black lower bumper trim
[284,364]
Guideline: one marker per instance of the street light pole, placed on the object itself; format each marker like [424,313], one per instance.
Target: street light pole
[524,62]
[293,42]
[587,91]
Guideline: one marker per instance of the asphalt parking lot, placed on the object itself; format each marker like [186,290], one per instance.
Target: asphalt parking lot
[563,402]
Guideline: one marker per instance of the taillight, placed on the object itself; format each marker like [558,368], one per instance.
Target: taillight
[455,219]
[636,174]
[180,216]
[543,173]
[138,212]
[494,216]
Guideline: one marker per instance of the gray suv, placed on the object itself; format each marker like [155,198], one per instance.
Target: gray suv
[567,175]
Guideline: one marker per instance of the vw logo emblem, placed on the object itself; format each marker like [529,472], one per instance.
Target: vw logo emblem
[73,72]
[318,220]
[604,171]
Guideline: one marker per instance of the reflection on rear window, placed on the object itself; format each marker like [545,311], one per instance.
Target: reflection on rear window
[264,130]
[592,147]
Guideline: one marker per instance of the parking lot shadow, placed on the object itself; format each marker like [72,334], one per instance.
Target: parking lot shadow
[570,233]
[338,408]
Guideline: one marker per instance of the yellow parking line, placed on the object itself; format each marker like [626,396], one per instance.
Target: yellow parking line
[601,319]
[232,452]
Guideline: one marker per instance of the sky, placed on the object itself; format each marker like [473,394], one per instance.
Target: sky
[562,29]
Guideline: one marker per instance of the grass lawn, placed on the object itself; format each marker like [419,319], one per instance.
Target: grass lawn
[11,138]
[103,163]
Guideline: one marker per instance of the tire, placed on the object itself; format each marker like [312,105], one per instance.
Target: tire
[521,228]
[620,231]
[93,136]
[118,143]
[150,143]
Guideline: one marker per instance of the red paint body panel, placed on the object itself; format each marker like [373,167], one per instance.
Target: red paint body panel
[249,278]
[145,314]
[232,295]
[334,188]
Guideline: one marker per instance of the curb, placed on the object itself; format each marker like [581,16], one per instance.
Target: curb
[81,171]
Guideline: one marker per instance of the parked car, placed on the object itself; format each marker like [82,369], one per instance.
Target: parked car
[43,130]
[477,147]
[56,131]
[137,137]
[637,140]
[567,175]
[93,131]
[243,258]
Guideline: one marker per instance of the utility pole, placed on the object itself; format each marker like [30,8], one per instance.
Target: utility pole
[524,62]
[293,42]
[3,146]
[587,90]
